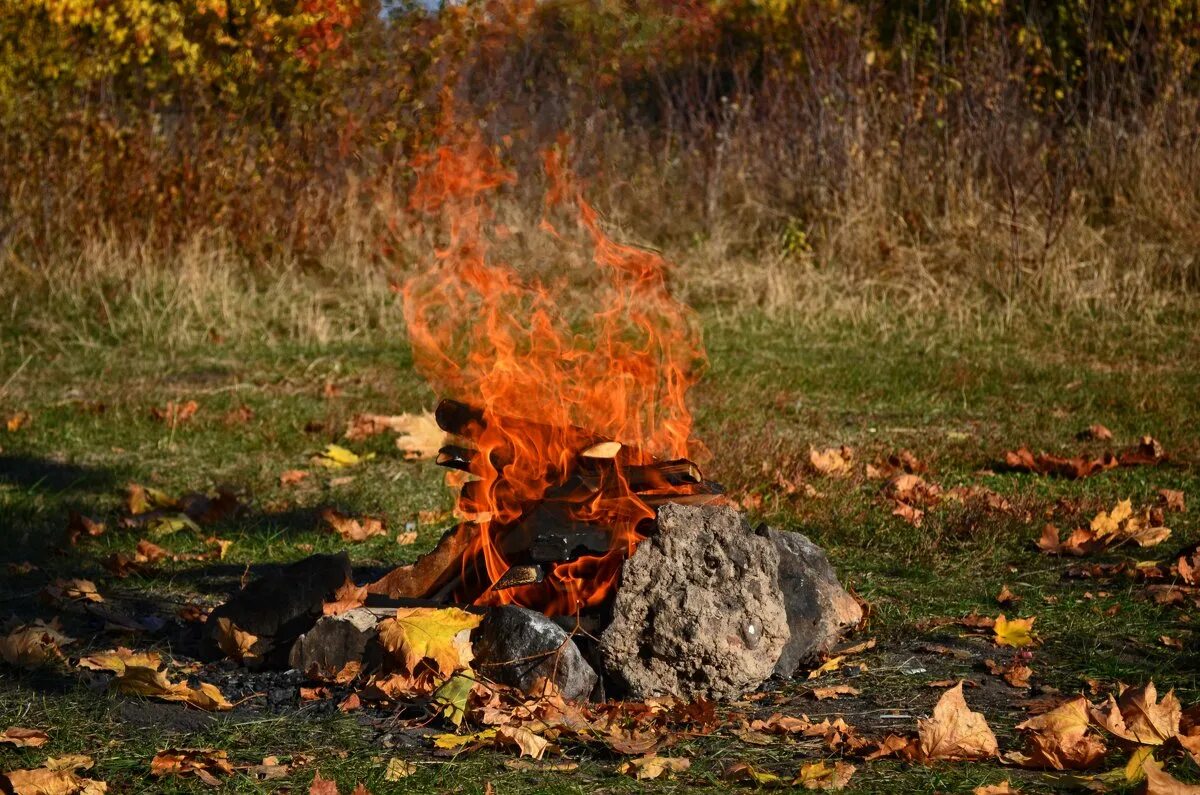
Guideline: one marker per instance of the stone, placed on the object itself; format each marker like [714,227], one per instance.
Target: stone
[519,647]
[278,607]
[698,611]
[819,610]
[335,641]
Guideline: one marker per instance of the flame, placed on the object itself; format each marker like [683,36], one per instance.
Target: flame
[550,375]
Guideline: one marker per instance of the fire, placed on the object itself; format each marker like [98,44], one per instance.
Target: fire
[547,375]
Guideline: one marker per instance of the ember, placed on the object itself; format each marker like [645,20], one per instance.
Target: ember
[573,421]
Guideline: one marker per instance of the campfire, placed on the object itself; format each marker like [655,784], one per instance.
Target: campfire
[586,533]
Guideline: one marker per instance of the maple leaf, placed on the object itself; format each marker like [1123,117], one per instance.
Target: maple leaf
[235,643]
[1172,500]
[1017,633]
[117,659]
[145,680]
[1138,717]
[743,771]
[79,526]
[351,529]
[832,461]
[527,743]
[338,457]
[205,764]
[452,697]
[818,776]
[24,738]
[33,645]
[1016,673]
[348,596]
[1061,738]
[450,742]
[833,691]
[830,665]
[439,635]
[1006,598]
[397,769]
[56,777]
[646,768]
[62,592]
[1160,782]
[954,732]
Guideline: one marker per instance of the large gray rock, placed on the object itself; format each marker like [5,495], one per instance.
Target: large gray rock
[699,611]
[520,647]
[278,607]
[335,641]
[819,610]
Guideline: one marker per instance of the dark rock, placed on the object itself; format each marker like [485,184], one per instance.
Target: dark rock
[699,611]
[279,607]
[519,647]
[819,610]
[335,641]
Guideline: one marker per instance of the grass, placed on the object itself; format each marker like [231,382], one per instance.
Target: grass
[956,395]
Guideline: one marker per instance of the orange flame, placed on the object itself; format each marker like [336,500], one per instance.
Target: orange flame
[550,380]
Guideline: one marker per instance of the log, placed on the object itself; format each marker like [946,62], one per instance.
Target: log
[430,572]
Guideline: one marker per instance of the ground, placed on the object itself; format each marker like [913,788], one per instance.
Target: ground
[956,397]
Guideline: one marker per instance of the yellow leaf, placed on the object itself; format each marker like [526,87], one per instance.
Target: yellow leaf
[1017,633]
[645,768]
[338,457]
[830,665]
[528,743]
[235,643]
[743,771]
[397,769]
[150,682]
[452,697]
[116,660]
[440,635]
[954,732]
[452,741]
[996,789]
[56,777]
[818,775]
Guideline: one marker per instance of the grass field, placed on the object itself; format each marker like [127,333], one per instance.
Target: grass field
[957,395]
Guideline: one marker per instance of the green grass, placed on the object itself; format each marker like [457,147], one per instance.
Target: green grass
[956,398]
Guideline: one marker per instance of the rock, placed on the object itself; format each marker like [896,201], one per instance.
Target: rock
[518,647]
[819,610]
[699,611]
[278,607]
[334,641]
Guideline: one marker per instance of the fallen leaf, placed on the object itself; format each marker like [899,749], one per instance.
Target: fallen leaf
[820,776]
[453,695]
[350,703]
[322,786]
[914,516]
[318,693]
[205,764]
[235,643]
[832,461]
[1022,460]
[1016,673]
[893,745]
[435,634]
[1172,500]
[1138,716]
[996,789]
[833,691]
[175,413]
[743,771]
[1061,739]
[17,421]
[62,592]
[646,768]
[33,645]
[830,665]
[56,777]
[338,457]
[1096,433]
[528,743]
[117,660]
[145,680]
[404,539]
[1006,598]
[24,738]
[238,416]
[397,769]
[781,724]
[954,732]
[1147,452]
[79,526]
[348,596]
[452,742]
[291,477]
[351,529]
[1016,633]
[1160,782]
